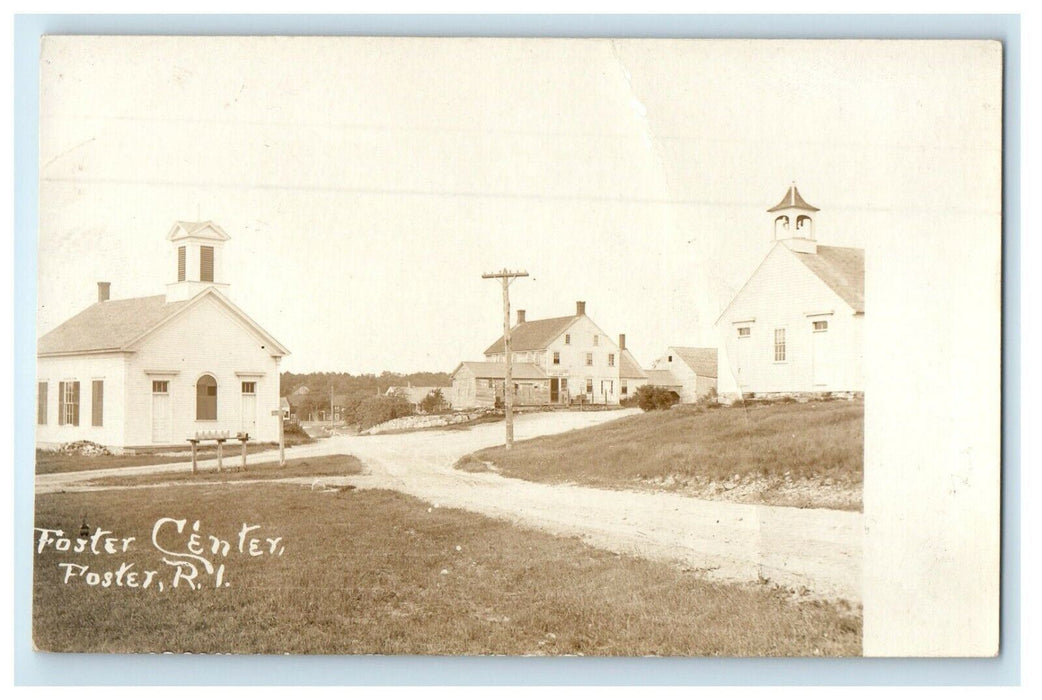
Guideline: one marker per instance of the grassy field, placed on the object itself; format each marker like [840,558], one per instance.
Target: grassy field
[328,465]
[379,572]
[806,455]
[50,462]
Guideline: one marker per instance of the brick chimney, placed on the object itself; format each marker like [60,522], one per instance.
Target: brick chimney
[580,308]
[520,316]
[103,290]
[622,341]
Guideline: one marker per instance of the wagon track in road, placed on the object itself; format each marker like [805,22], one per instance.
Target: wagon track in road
[815,549]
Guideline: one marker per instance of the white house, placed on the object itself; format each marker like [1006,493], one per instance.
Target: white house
[796,325]
[150,371]
[691,372]
[576,358]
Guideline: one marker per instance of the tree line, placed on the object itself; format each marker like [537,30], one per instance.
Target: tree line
[363,400]
[346,383]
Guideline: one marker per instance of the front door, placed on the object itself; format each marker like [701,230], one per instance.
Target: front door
[161,413]
[249,408]
[555,389]
[822,355]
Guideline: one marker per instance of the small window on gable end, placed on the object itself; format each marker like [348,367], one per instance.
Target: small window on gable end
[557,358]
[744,332]
[821,326]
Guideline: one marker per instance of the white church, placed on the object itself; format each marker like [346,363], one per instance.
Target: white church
[796,326]
[151,371]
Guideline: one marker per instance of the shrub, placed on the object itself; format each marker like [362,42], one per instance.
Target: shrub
[655,398]
[374,410]
[708,400]
[434,402]
[293,434]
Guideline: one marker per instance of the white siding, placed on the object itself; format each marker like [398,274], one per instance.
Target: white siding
[692,386]
[573,365]
[784,293]
[83,369]
[207,339]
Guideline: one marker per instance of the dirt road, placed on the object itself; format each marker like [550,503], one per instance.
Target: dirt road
[816,549]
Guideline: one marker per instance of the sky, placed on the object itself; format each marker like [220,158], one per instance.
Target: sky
[367,184]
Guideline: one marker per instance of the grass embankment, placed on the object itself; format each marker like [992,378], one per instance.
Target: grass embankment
[52,462]
[329,465]
[807,455]
[380,572]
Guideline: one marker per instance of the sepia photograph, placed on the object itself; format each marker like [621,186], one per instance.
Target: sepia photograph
[524,347]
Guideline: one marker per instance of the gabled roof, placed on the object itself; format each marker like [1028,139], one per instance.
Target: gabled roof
[119,325]
[792,200]
[198,229]
[662,377]
[842,269]
[629,368]
[702,361]
[533,335]
[497,370]
[108,325]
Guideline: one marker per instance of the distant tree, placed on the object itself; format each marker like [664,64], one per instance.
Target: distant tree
[434,402]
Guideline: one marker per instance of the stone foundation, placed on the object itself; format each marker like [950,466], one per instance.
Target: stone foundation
[797,396]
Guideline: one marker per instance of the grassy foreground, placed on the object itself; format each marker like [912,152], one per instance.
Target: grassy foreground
[380,572]
[807,455]
[327,465]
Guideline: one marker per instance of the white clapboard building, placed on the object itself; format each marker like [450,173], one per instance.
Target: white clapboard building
[796,326]
[557,361]
[151,371]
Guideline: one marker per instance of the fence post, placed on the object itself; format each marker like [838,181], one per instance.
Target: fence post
[244,438]
[220,450]
[195,467]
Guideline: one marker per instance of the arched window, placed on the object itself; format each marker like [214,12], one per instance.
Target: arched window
[206,398]
[802,221]
[781,224]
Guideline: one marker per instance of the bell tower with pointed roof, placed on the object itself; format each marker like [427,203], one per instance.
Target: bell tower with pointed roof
[198,255]
[793,222]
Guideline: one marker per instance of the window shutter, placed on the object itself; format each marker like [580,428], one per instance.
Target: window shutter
[61,403]
[181,264]
[75,403]
[206,263]
[97,402]
[41,403]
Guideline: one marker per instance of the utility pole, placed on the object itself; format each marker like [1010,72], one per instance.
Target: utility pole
[506,277]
